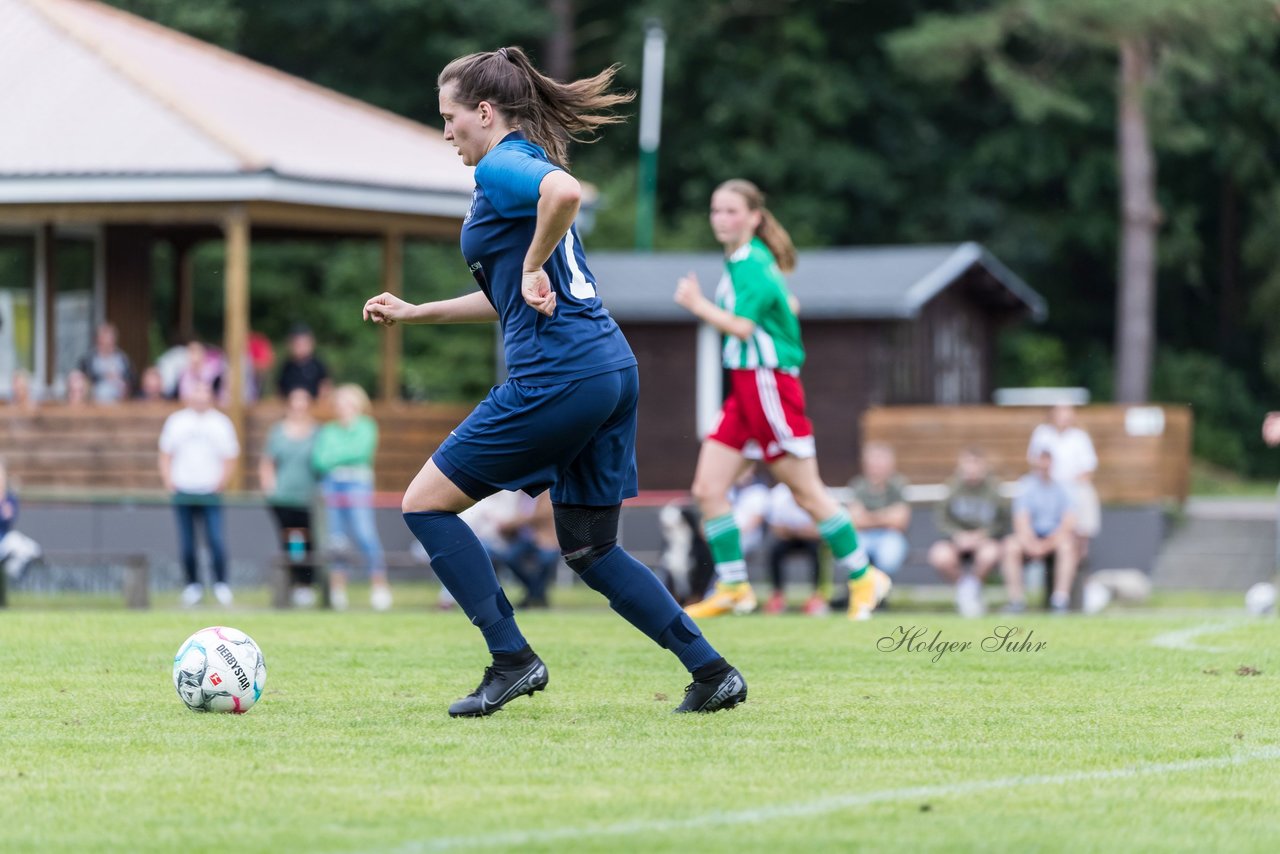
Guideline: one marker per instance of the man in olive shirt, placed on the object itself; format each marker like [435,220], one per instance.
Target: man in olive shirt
[879,508]
[972,516]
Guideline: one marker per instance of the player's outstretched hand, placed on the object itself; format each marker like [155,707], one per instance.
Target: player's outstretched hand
[689,292]
[536,289]
[386,309]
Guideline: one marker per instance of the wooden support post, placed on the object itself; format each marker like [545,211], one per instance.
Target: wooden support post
[392,338]
[49,264]
[235,335]
[184,304]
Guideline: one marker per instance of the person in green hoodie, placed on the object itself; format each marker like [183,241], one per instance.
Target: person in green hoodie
[973,516]
[343,457]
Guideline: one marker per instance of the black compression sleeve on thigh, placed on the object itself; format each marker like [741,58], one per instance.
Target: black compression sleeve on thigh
[586,533]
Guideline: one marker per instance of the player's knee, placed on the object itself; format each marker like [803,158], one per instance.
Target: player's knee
[586,534]
[704,492]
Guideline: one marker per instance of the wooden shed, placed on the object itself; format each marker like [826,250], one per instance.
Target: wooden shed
[882,325]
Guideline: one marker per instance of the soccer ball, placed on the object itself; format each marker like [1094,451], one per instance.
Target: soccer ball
[219,669]
[1260,599]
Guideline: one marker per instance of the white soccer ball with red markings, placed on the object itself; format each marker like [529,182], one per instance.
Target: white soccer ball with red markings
[219,669]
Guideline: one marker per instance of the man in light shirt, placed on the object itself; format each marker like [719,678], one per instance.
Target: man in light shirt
[198,446]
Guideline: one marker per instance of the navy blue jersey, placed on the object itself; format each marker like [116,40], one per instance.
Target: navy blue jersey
[581,339]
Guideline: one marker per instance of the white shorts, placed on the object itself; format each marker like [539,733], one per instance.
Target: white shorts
[1087,509]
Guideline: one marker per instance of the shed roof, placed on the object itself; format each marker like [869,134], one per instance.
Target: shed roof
[877,282]
[105,106]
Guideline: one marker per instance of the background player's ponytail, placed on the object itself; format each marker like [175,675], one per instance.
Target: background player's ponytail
[770,230]
[550,113]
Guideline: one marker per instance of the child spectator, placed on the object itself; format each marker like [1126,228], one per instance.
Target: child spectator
[78,389]
[289,483]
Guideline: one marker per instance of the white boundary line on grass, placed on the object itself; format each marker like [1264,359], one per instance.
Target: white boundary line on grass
[1185,639]
[823,806]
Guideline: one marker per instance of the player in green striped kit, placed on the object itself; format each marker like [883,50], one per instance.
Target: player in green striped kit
[763,417]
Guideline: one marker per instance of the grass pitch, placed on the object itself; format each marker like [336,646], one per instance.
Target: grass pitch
[1142,731]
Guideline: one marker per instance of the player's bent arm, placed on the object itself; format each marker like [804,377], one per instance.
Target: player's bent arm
[470,308]
[726,321]
[559,197]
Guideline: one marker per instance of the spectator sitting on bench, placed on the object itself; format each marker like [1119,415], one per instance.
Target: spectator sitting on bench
[879,509]
[973,518]
[529,547]
[793,533]
[1043,529]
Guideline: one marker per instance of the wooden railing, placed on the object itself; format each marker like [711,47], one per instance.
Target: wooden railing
[1143,452]
[115,447]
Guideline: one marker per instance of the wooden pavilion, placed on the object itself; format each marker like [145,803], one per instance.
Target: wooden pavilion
[121,133]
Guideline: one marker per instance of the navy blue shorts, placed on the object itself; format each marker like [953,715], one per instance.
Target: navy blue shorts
[577,439]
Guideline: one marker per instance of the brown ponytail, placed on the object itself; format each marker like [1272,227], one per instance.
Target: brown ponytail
[769,230]
[549,113]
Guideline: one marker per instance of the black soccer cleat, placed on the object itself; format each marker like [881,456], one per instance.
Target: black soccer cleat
[721,692]
[499,687]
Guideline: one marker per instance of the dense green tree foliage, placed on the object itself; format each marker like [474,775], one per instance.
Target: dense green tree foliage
[814,101]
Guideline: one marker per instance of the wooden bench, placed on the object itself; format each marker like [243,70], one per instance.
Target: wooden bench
[1144,453]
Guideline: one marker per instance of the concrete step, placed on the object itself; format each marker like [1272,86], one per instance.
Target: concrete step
[1219,545]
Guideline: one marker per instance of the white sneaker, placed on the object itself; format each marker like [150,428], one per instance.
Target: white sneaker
[338,598]
[380,598]
[222,593]
[191,595]
[303,597]
[969,597]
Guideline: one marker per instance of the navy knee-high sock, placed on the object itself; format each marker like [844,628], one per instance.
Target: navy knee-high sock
[463,566]
[637,594]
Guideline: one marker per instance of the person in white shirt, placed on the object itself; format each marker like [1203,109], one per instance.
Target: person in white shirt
[1074,463]
[198,446]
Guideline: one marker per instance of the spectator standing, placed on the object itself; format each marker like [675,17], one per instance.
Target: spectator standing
[972,518]
[107,368]
[1043,528]
[879,508]
[303,369]
[289,484]
[343,456]
[792,533]
[1074,463]
[198,446]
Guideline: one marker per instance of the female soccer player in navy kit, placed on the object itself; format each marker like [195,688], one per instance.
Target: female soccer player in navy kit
[566,417]
[763,416]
